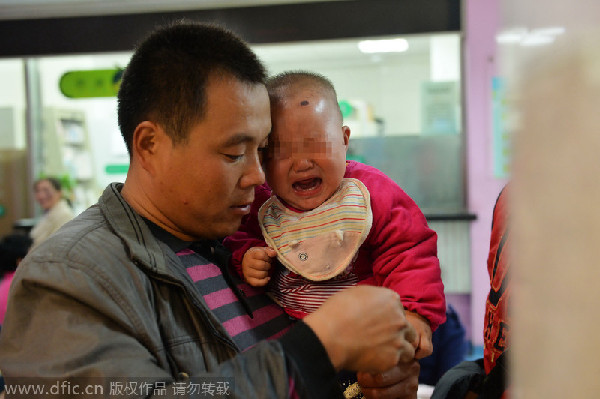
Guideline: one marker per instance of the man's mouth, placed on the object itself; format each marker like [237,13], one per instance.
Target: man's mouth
[242,209]
[307,184]
[243,205]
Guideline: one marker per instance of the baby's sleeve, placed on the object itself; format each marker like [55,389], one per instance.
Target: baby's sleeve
[404,250]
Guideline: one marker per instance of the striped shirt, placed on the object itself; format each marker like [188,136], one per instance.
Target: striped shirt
[226,295]
[300,296]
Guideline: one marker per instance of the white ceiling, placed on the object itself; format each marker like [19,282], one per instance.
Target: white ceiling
[337,51]
[26,9]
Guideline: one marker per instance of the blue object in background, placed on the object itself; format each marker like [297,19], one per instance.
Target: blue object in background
[449,349]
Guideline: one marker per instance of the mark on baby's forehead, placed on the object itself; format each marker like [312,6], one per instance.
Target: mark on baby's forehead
[304,103]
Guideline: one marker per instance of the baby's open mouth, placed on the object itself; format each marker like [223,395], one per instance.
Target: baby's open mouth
[307,184]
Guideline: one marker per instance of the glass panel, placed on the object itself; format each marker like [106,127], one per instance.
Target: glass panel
[14,181]
[12,104]
[81,142]
[403,108]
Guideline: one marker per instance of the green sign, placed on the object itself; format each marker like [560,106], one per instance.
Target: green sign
[2,210]
[91,83]
[346,108]
[116,169]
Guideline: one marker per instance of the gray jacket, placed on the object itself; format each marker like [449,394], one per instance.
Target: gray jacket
[103,299]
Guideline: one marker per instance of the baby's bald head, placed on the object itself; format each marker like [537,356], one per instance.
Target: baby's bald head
[302,89]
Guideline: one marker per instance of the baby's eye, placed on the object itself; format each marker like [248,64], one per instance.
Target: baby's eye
[316,147]
[282,151]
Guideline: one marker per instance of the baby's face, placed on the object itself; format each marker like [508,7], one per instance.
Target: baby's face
[307,150]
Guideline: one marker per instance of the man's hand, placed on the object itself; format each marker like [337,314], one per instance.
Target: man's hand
[400,382]
[363,328]
[423,344]
[256,265]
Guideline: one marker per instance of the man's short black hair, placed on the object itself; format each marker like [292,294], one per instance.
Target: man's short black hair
[165,81]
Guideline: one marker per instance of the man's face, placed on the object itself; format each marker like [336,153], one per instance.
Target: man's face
[307,154]
[206,185]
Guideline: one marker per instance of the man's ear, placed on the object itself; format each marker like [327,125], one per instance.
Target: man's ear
[146,139]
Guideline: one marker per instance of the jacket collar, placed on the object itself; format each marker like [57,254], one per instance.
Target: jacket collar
[203,247]
[144,249]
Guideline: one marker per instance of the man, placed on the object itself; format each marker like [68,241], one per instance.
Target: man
[138,286]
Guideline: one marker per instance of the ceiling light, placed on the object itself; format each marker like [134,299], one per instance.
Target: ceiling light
[511,36]
[551,31]
[383,46]
[536,40]
[525,37]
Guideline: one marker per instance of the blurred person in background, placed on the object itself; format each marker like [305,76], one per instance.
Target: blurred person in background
[486,378]
[57,211]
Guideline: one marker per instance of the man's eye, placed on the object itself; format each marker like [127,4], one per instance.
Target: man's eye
[234,157]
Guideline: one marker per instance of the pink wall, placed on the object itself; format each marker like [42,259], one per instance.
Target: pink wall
[480,23]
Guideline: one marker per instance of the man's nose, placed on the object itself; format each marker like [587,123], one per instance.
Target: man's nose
[254,175]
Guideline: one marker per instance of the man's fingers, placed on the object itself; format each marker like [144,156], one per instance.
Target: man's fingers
[406,390]
[400,372]
[401,381]
[425,349]
[410,334]
[407,352]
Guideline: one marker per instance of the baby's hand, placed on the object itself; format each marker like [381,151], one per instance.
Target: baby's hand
[256,265]
[423,345]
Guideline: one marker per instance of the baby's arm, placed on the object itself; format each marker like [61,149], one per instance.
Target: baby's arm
[256,265]
[403,249]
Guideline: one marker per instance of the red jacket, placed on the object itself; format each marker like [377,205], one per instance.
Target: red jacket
[400,251]
[496,323]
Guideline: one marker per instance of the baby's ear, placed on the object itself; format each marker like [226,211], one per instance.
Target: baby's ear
[346,133]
